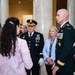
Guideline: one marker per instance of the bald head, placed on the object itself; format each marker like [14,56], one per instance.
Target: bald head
[62,16]
[64,12]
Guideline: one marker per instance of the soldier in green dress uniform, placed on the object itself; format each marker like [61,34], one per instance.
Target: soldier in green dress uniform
[35,41]
[64,63]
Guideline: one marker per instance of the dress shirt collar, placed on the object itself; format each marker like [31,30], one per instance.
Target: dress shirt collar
[31,33]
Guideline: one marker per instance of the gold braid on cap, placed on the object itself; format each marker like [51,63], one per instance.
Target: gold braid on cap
[31,24]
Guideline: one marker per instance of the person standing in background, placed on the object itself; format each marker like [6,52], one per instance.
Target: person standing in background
[35,41]
[14,53]
[64,63]
[23,29]
[49,49]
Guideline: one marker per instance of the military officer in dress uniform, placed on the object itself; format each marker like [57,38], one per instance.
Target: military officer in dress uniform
[35,41]
[74,51]
[64,64]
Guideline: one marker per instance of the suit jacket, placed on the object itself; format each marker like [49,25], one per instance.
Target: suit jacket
[64,49]
[46,50]
[35,44]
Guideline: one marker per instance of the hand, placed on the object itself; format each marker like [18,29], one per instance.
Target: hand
[53,66]
[41,61]
[49,60]
[73,44]
[55,69]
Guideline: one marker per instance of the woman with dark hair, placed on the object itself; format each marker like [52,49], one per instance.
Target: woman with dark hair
[14,52]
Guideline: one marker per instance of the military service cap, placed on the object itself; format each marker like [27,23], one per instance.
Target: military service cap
[31,22]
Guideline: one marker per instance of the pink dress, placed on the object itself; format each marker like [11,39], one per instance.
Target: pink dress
[16,64]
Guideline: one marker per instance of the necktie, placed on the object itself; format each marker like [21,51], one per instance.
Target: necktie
[30,34]
[51,43]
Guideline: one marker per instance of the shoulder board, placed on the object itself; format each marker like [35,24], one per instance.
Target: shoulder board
[69,28]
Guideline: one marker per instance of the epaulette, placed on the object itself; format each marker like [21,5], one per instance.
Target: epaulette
[69,28]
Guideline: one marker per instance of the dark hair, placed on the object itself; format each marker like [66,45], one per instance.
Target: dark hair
[8,36]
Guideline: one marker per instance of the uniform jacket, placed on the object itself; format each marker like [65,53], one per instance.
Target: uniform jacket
[16,64]
[35,44]
[74,46]
[64,49]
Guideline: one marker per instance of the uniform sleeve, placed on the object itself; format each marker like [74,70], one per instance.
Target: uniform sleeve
[67,47]
[26,57]
[74,42]
[41,45]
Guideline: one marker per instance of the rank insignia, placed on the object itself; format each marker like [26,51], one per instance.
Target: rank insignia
[69,28]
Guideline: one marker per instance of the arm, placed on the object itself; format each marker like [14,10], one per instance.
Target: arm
[26,55]
[66,51]
[45,55]
[41,61]
[67,47]
[41,45]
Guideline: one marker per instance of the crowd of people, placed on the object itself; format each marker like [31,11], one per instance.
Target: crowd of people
[24,53]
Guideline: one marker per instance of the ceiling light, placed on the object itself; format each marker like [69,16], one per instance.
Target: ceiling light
[19,2]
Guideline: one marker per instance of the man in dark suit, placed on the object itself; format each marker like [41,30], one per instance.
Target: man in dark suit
[64,64]
[35,43]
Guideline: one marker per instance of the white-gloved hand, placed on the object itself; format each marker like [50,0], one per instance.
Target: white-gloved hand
[41,61]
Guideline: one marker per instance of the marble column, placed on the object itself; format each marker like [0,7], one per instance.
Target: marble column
[42,13]
[4,10]
[71,9]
